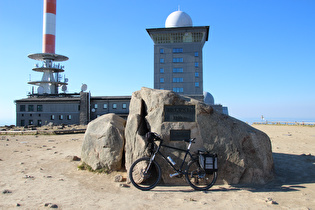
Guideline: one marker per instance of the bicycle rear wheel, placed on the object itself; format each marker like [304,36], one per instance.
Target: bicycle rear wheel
[197,177]
[140,178]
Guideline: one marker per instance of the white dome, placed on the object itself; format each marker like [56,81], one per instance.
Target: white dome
[208,98]
[178,19]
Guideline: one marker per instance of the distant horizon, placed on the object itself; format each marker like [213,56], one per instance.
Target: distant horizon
[249,120]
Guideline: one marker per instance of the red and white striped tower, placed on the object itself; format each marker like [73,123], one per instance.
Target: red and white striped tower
[49,26]
[51,79]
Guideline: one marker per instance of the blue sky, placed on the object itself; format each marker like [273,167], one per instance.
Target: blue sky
[259,60]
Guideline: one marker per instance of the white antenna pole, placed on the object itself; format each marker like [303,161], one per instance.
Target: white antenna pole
[178,7]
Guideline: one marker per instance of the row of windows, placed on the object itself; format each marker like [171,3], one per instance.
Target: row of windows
[30,108]
[114,106]
[60,117]
[178,60]
[39,122]
[179,37]
[177,70]
[178,50]
[178,90]
[178,80]
[39,108]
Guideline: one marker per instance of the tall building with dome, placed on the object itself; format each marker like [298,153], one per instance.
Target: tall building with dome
[178,63]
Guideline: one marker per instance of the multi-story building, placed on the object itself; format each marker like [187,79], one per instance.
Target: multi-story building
[178,59]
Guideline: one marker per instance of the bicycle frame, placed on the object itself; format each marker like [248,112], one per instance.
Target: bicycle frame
[187,152]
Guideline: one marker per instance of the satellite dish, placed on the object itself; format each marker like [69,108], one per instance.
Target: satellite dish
[40,90]
[93,110]
[84,87]
[64,88]
[66,79]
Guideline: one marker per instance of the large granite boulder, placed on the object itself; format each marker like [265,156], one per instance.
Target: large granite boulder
[244,153]
[103,143]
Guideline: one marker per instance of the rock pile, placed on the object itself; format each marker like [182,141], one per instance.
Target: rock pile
[244,153]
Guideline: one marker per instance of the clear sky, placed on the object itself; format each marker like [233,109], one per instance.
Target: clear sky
[259,60]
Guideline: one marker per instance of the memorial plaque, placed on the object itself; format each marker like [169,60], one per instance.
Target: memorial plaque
[179,113]
[178,135]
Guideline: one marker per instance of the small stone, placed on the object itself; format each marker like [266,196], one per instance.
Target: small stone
[51,205]
[118,178]
[124,185]
[76,158]
[6,191]
[48,176]
[18,204]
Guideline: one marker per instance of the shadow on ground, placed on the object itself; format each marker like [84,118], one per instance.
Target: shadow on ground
[291,172]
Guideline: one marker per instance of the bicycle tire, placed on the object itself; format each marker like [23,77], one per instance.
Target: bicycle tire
[144,181]
[197,177]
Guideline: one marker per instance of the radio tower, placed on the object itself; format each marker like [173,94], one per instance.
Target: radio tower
[50,79]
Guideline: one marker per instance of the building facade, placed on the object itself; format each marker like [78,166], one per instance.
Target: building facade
[178,62]
[68,109]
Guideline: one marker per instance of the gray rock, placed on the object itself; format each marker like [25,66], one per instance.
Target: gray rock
[104,142]
[244,153]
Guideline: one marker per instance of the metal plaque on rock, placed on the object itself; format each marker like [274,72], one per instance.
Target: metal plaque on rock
[178,135]
[179,113]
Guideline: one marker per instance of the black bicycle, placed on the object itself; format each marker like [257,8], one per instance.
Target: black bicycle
[200,172]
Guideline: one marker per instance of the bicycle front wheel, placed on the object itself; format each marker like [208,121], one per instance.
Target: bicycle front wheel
[143,175]
[197,177]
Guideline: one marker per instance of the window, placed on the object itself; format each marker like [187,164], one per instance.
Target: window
[60,117]
[95,106]
[114,106]
[196,64]
[178,79]
[39,108]
[161,80]
[78,107]
[161,60]
[22,122]
[178,90]
[22,108]
[69,117]
[177,60]
[161,88]
[196,54]
[161,50]
[196,74]
[161,70]
[30,108]
[177,70]
[39,122]
[124,106]
[105,106]
[177,50]
[30,122]
[52,117]
[196,84]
